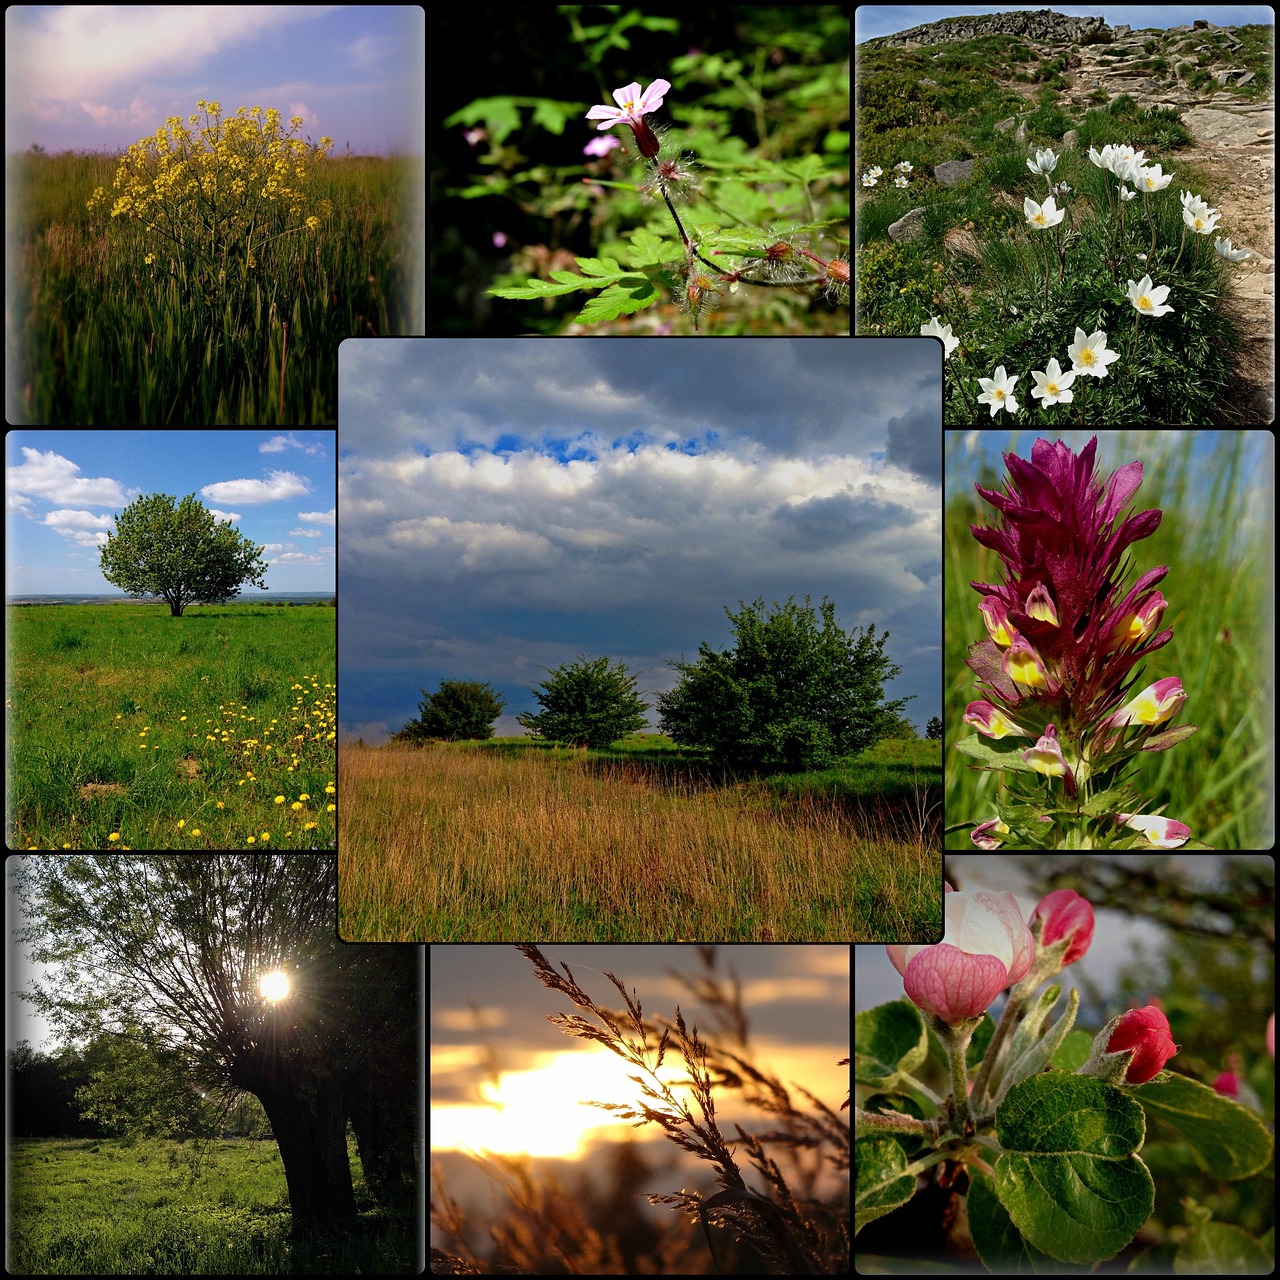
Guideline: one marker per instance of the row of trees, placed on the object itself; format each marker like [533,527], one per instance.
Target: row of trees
[795,692]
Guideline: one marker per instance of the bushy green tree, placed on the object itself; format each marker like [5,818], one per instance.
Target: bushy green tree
[458,709]
[797,692]
[901,729]
[587,703]
[180,552]
[933,730]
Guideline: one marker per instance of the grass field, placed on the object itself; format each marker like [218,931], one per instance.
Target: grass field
[156,1207]
[514,839]
[1215,539]
[98,337]
[131,729]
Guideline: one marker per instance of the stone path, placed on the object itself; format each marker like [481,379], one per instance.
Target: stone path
[1235,145]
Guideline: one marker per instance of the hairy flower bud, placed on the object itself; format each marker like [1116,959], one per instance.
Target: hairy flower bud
[1064,914]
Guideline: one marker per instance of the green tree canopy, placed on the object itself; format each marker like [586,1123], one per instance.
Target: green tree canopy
[180,552]
[934,728]
[459,709]
[587,703]
[797,692]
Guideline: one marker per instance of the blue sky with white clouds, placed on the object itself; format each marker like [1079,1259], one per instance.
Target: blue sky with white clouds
[871,20]
[63,490]
[506,506]
[93,77]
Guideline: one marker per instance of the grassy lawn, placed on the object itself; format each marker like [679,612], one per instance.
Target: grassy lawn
[132,729]
[157,1207]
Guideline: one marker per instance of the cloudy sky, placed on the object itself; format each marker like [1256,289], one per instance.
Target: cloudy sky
[102,76]
[507,506]
[885,19]
[64,488]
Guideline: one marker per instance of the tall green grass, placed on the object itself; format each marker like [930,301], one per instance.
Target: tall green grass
[131,729]
[100,338]
[1216,538]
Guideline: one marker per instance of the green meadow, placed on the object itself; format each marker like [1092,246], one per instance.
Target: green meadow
[159,1207]
[256,347]
[1214,536]
[131,729]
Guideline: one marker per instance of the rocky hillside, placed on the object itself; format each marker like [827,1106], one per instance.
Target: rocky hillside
[1040,24]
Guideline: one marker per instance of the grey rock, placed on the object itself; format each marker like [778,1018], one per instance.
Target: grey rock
[951,173]
[1120,30]
[1038,24]
[1069,139]
[1003,126]
[1021,135]
[909,227]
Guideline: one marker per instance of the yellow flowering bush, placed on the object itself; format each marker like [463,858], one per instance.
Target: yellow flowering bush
[220,195]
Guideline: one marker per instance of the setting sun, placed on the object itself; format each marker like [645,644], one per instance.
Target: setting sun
[275,986]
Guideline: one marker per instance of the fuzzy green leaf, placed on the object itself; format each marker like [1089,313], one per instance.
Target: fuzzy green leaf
[997,753]
[632,293]
[1228,1140]
[1070,1177]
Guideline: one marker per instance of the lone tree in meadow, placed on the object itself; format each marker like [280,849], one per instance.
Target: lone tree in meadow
[796,692]
[458,710]
[933,730]
[587,703]
[180,552]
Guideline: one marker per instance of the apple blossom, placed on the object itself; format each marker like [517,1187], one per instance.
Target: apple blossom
[985,948]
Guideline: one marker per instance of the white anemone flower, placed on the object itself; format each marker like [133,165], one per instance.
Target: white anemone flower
[1147,299]
[998,391]
[1052,386]
[901,181]
[1152,178]
[1223,245]
[1089,354]
[1201,221]
[868,180]
[1126,194]
[1045,162]
[1042,215]
[936,329]
[903,166]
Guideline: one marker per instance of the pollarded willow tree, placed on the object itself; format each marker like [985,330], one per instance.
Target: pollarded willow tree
[181,552]
[173,947]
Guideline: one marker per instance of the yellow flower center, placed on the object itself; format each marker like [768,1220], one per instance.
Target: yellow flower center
[1051,388]
[1086,356]
[1038,219]
[998,394]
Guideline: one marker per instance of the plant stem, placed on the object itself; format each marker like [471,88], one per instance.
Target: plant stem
[956,1041]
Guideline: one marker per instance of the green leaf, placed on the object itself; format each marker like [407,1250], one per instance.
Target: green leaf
[633,293]
[1216,1249]
[648,248]
[880,1190]
[1069,1177]
[1228,1140]
[997,753]
[552,115]
[501,116]
[889,1042]
[999,1243]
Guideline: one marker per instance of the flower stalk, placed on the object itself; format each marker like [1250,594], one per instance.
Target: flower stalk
[1067,634]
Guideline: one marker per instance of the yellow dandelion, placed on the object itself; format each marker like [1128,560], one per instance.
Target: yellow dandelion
[279,799]
[250,840]
[114,836]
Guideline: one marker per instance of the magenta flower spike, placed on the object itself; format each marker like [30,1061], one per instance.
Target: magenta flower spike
[632,107]
[1067,634]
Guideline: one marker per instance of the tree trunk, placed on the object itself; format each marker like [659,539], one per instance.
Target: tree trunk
[385,1129]
[311,1132]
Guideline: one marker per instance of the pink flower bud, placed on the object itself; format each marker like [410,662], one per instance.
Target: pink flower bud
[1146,1031]
[1065,914]
[989,720]
[986,948]
[1227,1084]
